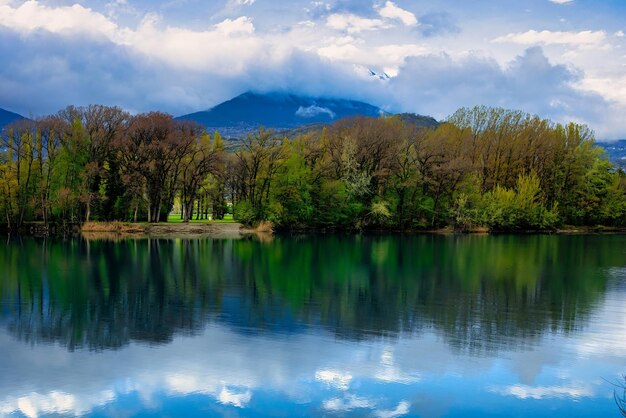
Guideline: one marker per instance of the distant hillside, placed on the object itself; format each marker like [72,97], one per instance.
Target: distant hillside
[7,117]
[616,151]
[250,111]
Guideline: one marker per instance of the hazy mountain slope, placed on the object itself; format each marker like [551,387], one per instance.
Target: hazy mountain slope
[279,111]
[7,117]
[286,112]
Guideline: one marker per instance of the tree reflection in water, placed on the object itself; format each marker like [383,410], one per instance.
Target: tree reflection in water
[480,293]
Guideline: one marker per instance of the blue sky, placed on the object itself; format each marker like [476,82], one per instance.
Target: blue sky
[565,60]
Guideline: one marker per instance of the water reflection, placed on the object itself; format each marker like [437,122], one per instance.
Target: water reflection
[482,293]
[323,325]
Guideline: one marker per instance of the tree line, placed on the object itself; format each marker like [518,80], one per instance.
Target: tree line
[482,168]
[101,163]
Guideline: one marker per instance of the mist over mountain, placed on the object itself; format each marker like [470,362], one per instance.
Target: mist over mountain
[281,111]
[289,113]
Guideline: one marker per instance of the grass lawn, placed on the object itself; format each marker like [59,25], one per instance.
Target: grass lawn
[175,218]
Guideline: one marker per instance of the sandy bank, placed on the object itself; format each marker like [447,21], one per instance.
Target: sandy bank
[97,230]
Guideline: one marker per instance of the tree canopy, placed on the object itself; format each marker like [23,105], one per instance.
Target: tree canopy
[482,168]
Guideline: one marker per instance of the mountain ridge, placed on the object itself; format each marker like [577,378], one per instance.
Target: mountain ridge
[284,112]
[250,110]
[7,117]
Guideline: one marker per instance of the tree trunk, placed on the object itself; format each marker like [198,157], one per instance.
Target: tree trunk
[88,214]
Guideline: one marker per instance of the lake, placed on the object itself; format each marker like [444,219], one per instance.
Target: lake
[316,325]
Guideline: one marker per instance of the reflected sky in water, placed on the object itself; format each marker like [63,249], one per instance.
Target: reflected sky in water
[313,326]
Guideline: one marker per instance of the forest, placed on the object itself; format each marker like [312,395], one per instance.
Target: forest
[483,168]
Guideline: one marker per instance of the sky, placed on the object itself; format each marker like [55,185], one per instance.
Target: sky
[561,59]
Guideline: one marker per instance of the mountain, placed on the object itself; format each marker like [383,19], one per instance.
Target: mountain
[287,112]
[250,111]
[7,117]
[616,151]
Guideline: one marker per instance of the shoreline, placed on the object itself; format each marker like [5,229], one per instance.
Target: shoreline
[163,230]
[117,230]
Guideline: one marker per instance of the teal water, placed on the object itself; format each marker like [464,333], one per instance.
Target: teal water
[381,326]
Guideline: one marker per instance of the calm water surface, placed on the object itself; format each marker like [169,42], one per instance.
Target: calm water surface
[381,326]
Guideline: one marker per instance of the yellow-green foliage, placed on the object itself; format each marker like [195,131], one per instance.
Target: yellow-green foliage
[482,168]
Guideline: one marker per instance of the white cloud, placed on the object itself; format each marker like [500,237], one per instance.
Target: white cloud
[241,25]
[340,50]
[312,111]
[347,403]
[186,383]
[334,378]
[227,48]
[530,82]
[395,54]
[562,1]
[232,40]
[229,397]
[607,338]
[354,24]
[613,88]
[35,404]
[392,11]
[196,67]
[390,372]
[400,410]
[31,16]
[547,37]
[541,392]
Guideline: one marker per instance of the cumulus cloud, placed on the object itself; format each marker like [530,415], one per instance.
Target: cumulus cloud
[75,54]
[562,1]
[353,24]
[242,24]
[31,16]
[178,46]
[391,11]
[439,84]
